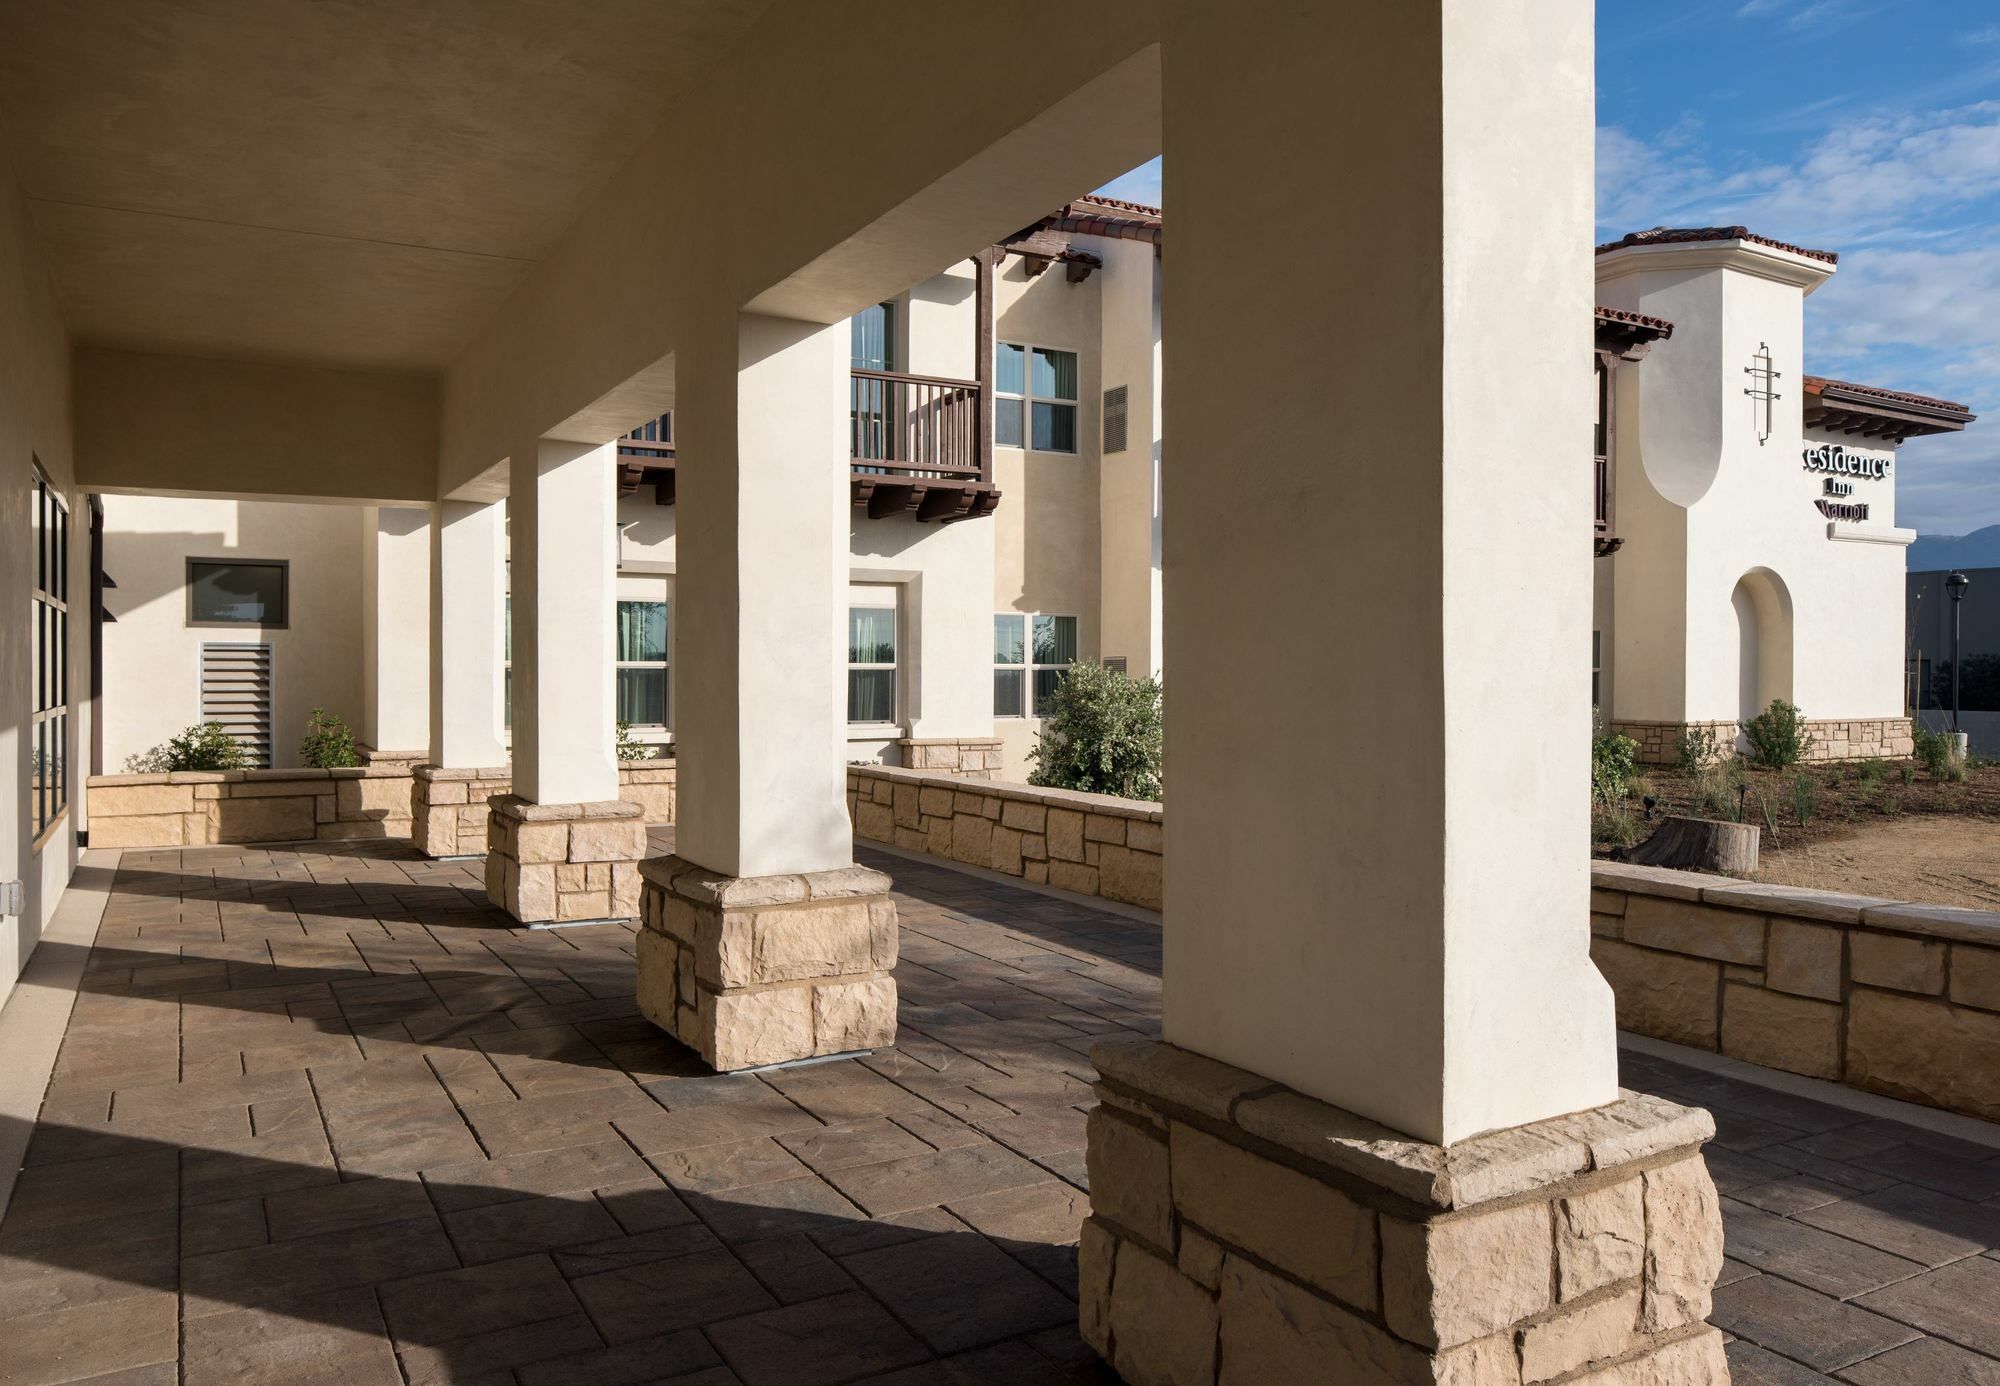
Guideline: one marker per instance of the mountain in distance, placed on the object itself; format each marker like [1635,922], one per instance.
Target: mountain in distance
[1939,552]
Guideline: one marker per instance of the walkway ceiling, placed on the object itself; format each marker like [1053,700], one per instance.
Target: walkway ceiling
[350,182]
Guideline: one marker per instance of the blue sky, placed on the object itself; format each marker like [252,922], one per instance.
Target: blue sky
[1869,127]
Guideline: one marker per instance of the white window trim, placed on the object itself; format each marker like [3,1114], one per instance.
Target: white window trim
[892,602]
[1029,667]
[665,666]
[1029,399]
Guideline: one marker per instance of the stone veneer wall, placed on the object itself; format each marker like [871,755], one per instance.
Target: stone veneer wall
[1244,1232]
[965,757]
[383,799]
[195,808]
[1093,844]
[1901,999]
[1834,738]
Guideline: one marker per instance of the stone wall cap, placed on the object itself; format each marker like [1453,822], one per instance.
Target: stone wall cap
[1648,880]
[1480,1169]
[1831,906]
[456,772]
[945,741]
[527,811]
[209,777]
[113,781]
[1177,1075]
[679,876]
[1108,804]
[1937,921]
[297,773]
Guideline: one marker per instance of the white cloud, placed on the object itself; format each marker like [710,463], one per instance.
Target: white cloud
[1912,202]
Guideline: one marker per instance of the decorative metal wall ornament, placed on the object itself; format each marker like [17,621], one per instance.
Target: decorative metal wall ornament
[1760,391]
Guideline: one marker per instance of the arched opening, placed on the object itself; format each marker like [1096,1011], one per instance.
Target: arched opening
[1763,610]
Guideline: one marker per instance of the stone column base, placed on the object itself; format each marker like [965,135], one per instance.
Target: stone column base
[562,863]
[749,971]
[1244,1233]
[448,808]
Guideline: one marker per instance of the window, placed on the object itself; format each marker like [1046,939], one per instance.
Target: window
[874,406]
[507,665]
[1020,664]
[642,663]
[871,655]
[1034,397]
[48,746]
[237,592]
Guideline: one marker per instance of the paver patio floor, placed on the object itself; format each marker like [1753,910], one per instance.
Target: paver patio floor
[319,1115]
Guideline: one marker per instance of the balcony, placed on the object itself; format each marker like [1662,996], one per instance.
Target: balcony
[919,445]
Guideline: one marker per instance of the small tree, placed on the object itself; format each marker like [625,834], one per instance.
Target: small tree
[328,744]
[1102,735]
[1613,763]
[205,747]
[1778,737]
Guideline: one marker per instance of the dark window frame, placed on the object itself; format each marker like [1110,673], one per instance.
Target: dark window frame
[284,567]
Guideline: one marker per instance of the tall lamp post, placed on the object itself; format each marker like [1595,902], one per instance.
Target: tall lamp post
[1955,584]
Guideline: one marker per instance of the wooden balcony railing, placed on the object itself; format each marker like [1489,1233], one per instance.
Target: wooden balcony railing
[916,426]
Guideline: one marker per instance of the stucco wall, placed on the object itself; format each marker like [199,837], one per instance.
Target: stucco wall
[1046,532]
[34,425]
[152,656]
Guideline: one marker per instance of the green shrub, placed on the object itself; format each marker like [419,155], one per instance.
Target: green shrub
[1933,752]
[205,747]
[1699,748]
[1871,770]
[628,746]
[1102,736]
[328,744]
[1805,798]
[1614,762]
[1907,774]
[1778,737]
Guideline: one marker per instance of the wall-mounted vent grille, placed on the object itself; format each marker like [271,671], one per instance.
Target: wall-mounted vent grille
[1114,419]
[1117,663]
[236,691]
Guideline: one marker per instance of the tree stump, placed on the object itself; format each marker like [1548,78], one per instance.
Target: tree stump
[1700,844]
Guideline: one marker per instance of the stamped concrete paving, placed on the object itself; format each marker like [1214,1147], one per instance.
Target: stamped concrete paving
[321,1116]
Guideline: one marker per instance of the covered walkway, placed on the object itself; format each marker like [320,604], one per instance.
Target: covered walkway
[326,1114]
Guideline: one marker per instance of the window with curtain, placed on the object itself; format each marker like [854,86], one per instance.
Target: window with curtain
[507,665]
[642,663]
[871,664]
[48,731]
[1030,653]
[1034,403]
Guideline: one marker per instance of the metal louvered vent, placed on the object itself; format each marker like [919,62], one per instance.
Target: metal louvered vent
[1117,663]
[1114,419]
[236,691]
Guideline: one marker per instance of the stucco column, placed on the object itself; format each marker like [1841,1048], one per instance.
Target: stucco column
[396,629]
[762,535]
[1377,594]
[562,848]
[762,942]
[468,758]
[563,542]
